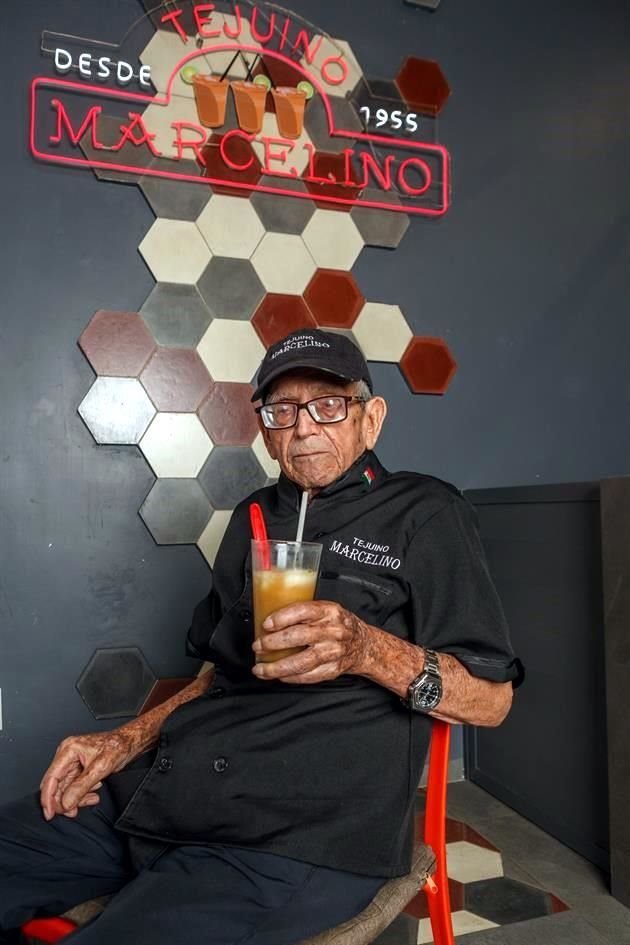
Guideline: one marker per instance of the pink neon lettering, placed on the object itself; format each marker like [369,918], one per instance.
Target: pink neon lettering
[75,137]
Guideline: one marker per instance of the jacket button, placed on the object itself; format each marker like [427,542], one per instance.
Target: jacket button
[219,765]
[165,764]
[217,692]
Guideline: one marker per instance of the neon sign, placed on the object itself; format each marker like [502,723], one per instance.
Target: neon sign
[65,112]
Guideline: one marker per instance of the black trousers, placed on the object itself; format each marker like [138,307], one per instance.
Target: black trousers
[215,895]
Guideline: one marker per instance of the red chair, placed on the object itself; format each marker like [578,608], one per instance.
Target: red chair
[438,899]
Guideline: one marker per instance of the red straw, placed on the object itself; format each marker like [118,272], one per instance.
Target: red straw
[259,530]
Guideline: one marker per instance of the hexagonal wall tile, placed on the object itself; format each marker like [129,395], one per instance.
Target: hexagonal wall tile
[230,287]
[382,332]
[374,94]
[176,511]
[228,414]
[213,533]
[503,900]
[175,251]
[467,862]
[230,475]
[176,315]
[345,118]
[270,466]
[240,152]
[331,178]
[341,70]
[428,365]
[176,379]
[230,226]
[176,199]
[116,410]
[176,445]
[283,263]
[117,343]
[277,315]
[334,298]
[295,150]
[165,49]
[280,214]
[115,682]
[219,62]
[333,239]
[383,228]
[160,117]
[423,85]
[231,350]
[109,136]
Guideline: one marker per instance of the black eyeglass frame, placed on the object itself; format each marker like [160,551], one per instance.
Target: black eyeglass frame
[306,405]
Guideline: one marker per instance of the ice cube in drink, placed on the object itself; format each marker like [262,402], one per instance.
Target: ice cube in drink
[273,589]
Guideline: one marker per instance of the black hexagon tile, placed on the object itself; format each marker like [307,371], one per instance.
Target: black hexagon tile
[380,227]
[230,474]
[116,682]
[283,214]
[230,287]
[503,901]
[176,199]
[109,135]
[345,118]
[176,511]
[176,315]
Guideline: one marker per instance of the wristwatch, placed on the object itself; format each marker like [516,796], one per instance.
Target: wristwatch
[425,691]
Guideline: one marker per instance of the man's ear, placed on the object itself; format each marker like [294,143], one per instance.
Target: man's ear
[373,417]
[267,439]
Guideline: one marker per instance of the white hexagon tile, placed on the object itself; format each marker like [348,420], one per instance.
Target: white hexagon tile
[332,239]
[231,350]
[283,263]
[176,445]
[230,226]
[382,332]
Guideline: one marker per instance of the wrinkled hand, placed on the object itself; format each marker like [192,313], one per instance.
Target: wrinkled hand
[335,640]
[78,768]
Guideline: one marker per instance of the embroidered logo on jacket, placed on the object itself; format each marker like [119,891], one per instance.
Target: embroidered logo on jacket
[366,552]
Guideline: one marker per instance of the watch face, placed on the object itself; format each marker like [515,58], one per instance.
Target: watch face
[427,695]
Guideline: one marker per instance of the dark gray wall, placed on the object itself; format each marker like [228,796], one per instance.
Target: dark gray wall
[526,278]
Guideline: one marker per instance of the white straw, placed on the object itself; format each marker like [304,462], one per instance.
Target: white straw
[300,528]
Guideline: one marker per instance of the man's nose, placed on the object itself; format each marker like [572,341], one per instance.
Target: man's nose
[305,425]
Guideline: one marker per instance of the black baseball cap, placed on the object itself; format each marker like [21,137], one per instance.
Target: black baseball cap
[312,348]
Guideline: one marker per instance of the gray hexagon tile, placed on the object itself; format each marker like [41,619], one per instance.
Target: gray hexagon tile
[176,315]
[176,445]
[345,117]
[176,199]
[231,350]
[283,263]
[230,226]
[116,410]
[109,135]
[283,214]
[230,474]
[230,287]
[176,511]
[176,379]
[175,251]
[116,682]
[380,227]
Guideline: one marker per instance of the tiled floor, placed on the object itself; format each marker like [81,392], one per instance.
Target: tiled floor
[513,884]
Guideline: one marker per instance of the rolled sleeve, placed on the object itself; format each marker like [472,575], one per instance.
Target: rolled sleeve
[456,606]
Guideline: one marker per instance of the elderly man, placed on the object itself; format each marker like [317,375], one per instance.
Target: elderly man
[270,800]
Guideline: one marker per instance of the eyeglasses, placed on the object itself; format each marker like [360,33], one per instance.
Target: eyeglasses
[283,414]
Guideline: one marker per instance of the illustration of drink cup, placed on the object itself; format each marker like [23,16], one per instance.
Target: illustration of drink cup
[289,104]
[210,99]
[249,98]
[283,572]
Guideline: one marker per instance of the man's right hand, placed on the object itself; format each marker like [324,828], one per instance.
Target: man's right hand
[79,767]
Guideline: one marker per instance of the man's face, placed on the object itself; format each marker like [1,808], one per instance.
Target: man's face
[313,454]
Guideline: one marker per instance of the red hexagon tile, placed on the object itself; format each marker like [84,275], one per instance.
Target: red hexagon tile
[344,181]
[238,151]
[117,344]
[428,365]
[423,85]
[228,414]
[176,379]
[334,298]
[279,314]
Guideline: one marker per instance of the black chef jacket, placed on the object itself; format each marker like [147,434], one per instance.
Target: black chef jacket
[325,773]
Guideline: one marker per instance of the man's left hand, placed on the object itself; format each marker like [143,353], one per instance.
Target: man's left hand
[335,640]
